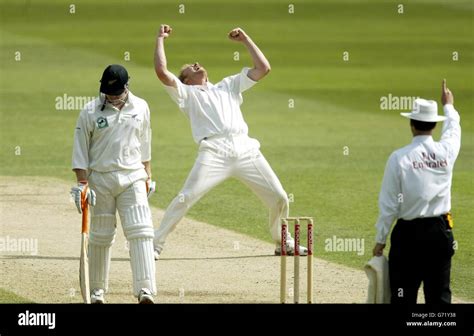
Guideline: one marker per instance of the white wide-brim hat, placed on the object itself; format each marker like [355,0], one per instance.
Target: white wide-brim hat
[424,110]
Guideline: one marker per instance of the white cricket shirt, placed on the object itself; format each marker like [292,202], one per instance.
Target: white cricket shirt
[417,178]
[112,140]
[214,110]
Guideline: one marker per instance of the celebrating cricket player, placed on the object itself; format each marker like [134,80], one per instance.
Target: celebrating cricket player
[112,157]
[416,191]
[218,127]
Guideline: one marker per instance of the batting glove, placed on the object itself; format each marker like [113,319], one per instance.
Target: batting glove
[150,187]
[78,190]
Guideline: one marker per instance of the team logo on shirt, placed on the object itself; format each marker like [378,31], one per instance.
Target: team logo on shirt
[102,122]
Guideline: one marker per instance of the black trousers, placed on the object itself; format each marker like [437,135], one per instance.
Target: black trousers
[421,251]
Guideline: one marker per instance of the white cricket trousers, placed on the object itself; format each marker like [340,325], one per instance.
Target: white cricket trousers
[123,191]
[212,168]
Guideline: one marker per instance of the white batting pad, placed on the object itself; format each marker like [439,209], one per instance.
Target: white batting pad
[143,264]
[101,238]
[136,222]
[138,230]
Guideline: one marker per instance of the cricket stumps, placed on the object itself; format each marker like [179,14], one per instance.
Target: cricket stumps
[284,253]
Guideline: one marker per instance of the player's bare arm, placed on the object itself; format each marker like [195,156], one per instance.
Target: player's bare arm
[261,64]
[147,165]
[378,249]
[161,68]
[81,174]
[150,184]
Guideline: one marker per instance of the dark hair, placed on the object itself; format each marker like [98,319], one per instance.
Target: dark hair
[422,125]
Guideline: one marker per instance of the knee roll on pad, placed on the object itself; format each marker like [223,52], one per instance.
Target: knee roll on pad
[137,222]
[103,228]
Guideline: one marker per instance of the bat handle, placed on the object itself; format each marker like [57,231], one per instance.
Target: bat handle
[85,211]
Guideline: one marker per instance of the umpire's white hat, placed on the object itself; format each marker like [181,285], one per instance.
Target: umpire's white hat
[424,110]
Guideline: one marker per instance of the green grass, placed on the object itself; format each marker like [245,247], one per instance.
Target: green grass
[336,102]
[9,297]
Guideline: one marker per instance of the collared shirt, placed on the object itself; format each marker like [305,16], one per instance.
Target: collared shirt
[213,110]
[112,140]
[417,178]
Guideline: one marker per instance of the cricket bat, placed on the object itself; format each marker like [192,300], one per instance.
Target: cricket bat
[84,261]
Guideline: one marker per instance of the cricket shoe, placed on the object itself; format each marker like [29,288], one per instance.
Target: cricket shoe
[156,254]
[97,296]
[290,249]
[145,296]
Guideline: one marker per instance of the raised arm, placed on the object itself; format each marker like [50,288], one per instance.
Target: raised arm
[161,68]
[261,66]
[451,132]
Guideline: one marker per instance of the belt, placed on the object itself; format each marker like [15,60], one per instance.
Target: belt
[446,217]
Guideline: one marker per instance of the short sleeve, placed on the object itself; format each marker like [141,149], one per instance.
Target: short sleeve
[240,82]
[179,94]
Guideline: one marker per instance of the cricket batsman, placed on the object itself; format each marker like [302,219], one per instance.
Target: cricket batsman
[111,156]
[218,127]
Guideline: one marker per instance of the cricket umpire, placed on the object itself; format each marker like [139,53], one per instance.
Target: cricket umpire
[111,154]
[416,191]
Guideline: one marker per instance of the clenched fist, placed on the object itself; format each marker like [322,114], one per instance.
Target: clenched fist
[238,35]
[165,31]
